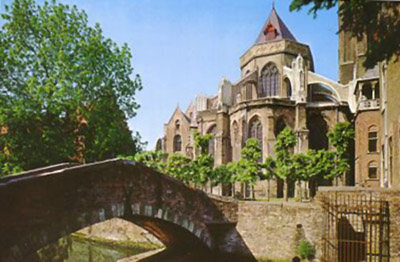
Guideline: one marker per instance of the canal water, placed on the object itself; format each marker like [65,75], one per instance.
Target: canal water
[75,249]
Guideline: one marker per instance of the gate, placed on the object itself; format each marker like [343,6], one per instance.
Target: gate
[356,228]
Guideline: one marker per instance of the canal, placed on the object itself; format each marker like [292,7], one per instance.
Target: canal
[75,248]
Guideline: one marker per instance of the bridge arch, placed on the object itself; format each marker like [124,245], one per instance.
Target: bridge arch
[60,200]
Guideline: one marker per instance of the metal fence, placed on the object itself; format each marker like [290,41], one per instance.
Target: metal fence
[356,228]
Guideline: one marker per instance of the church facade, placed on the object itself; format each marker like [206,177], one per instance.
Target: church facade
[278,88]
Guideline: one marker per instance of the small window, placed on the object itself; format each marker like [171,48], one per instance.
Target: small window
[177,124]
[372,170]
[372,140]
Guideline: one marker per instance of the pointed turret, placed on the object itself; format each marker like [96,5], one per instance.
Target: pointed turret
[274,29]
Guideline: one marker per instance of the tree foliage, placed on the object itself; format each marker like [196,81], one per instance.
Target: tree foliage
[203,165]
[313,164]
[180,167]
[342,138]
[376,22]
[153,159]
[203,169]
[269,168]
[65,89]
[284,145]
[201,142]
[223,174]
[249,167]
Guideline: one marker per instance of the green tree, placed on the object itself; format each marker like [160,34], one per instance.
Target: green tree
[342,138]
[153,159]
[284,146]
[203,170]
[223,175]
[301,172]
[65,89]
[180,167]
[269,172]
[201,142]
[249,167]
[313,166]
[203,165]
[376,22]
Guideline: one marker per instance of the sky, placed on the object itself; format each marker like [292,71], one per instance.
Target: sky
[182,48]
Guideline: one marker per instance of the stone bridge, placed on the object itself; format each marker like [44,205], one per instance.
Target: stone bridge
[40,206]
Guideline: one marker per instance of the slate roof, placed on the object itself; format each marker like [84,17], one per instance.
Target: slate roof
[274,29]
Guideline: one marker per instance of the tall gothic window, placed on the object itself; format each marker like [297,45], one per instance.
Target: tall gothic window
[177,143]
[256,131]
[269,81]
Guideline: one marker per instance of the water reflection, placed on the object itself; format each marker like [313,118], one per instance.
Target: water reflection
[73,249]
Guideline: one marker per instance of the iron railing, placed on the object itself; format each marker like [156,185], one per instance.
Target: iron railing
[356,228]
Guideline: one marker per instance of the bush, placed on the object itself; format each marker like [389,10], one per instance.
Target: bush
[306,249]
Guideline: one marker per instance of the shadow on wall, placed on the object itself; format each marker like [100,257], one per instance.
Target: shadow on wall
[352,244]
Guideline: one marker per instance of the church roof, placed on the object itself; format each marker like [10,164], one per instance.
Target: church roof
[274,29]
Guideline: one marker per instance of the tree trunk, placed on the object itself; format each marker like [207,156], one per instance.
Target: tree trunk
[269,190]
[285,191]
[300,190]
[306,185]
[253,194]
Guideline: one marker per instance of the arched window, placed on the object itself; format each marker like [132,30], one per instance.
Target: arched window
[287,88]
[256,131]
[211,144]
[372,170]
[269,81]
[177,125]
[279,125]
[177,143]
[372,139]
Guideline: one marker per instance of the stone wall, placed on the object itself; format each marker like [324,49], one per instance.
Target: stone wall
[270,229]
[274,230]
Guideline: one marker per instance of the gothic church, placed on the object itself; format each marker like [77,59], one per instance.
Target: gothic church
[278,88]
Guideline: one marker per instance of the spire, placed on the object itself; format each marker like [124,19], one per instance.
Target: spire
[274,29]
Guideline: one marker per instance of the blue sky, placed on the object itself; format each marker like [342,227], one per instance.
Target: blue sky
[184,47]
